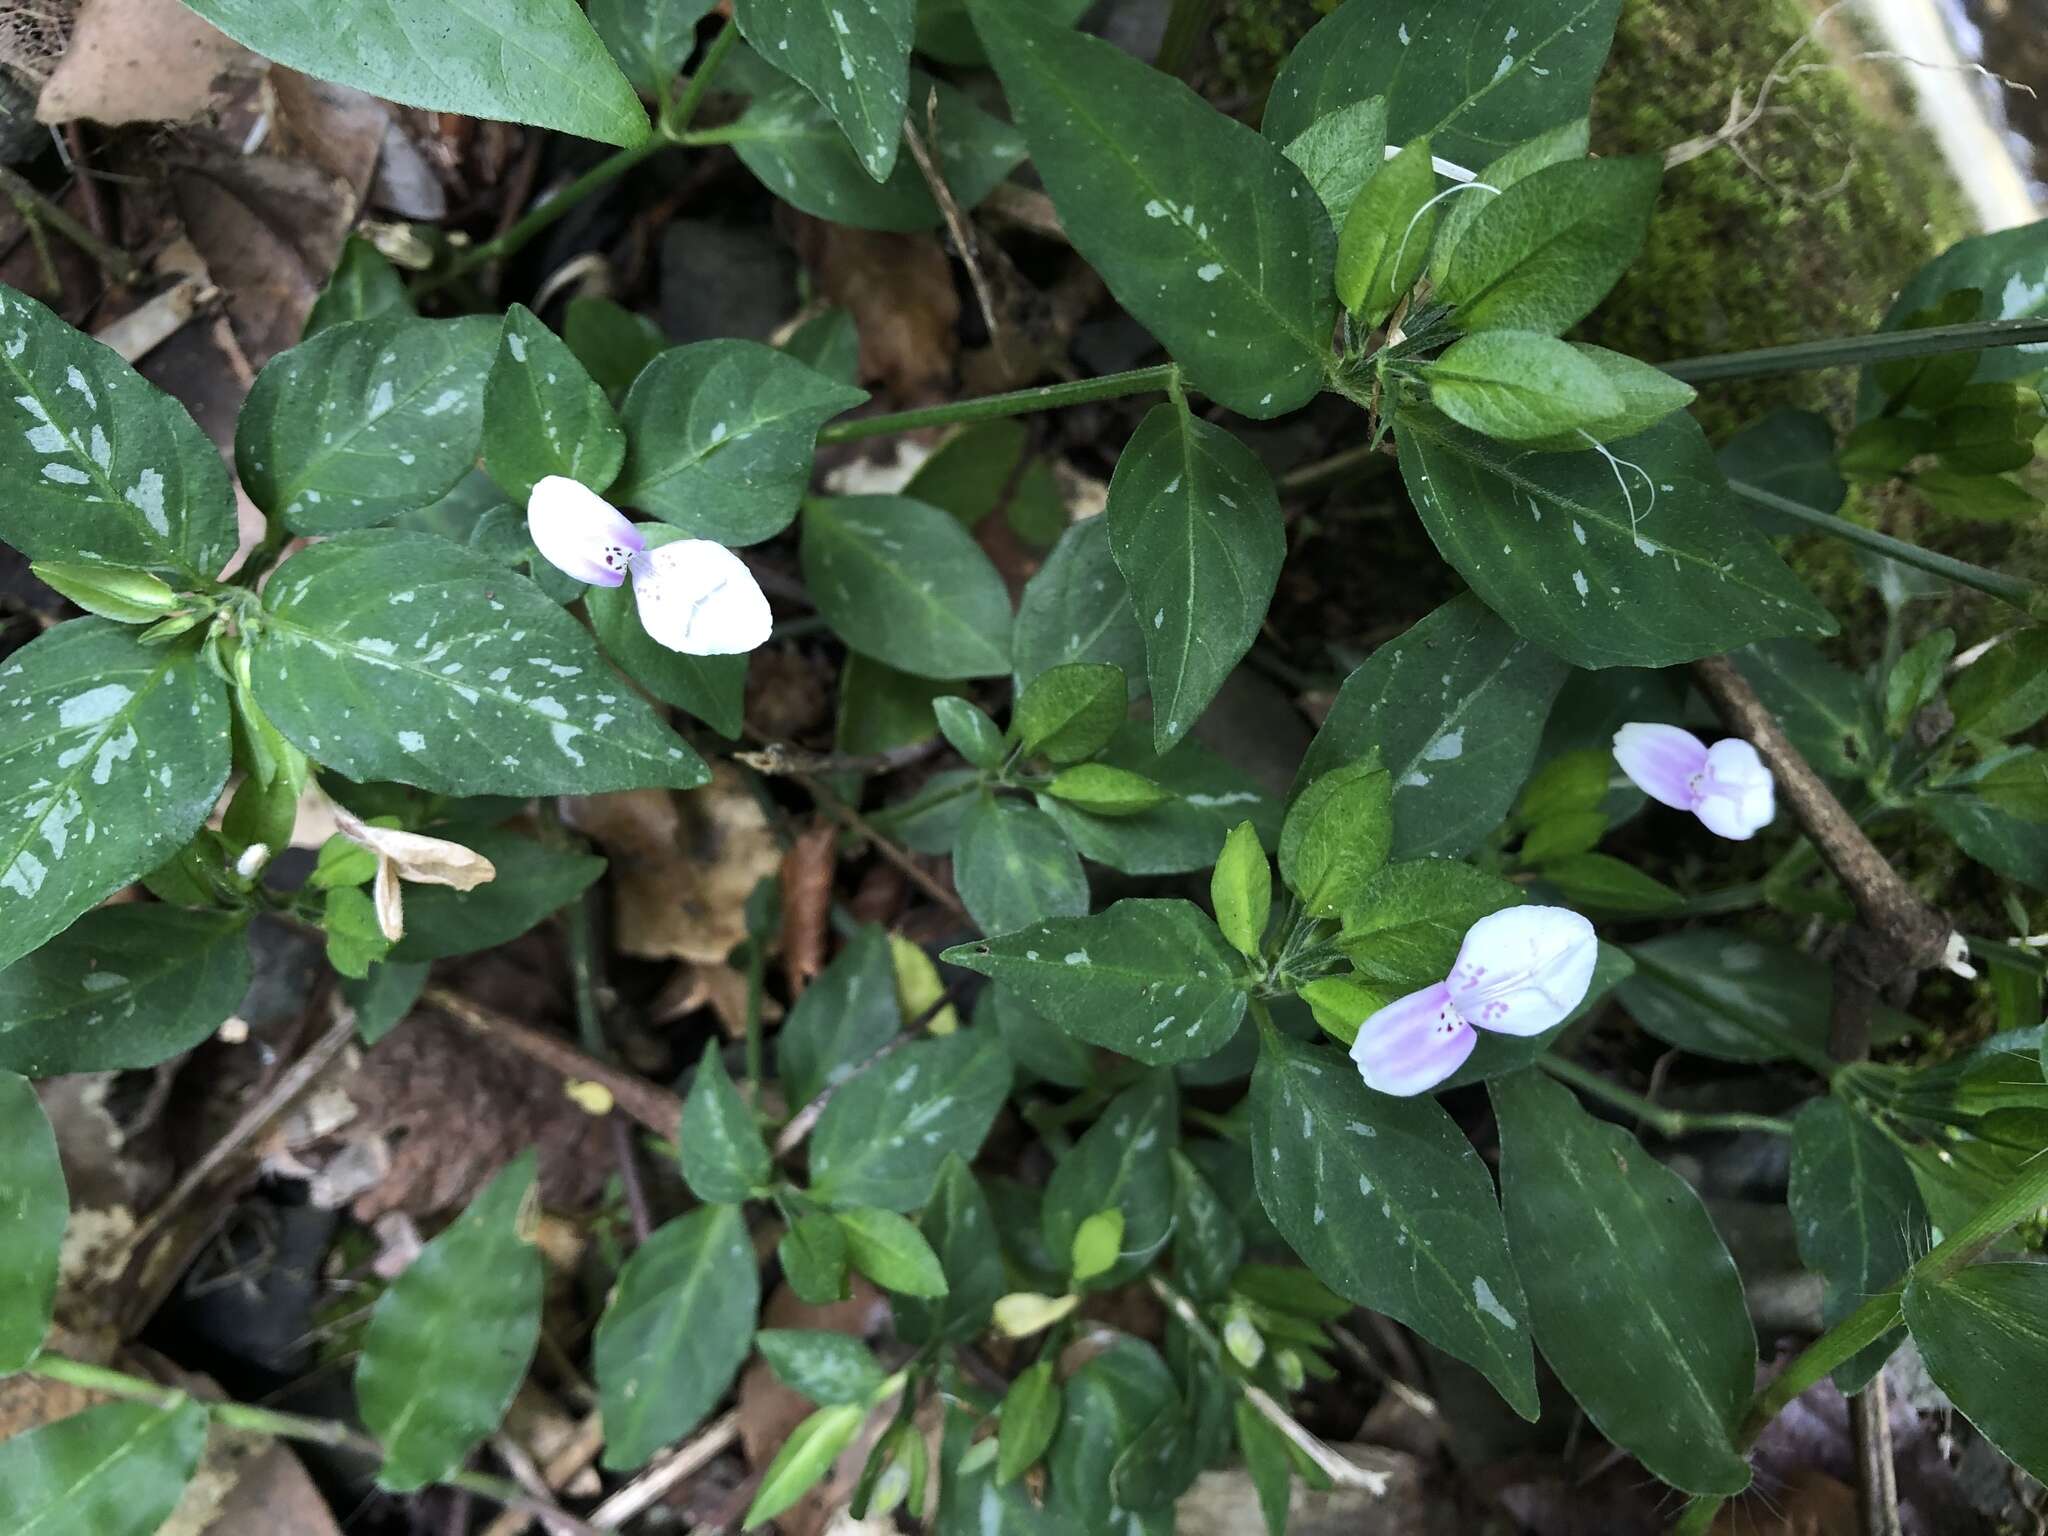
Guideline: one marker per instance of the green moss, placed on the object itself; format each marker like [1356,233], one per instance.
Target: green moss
[1833,199]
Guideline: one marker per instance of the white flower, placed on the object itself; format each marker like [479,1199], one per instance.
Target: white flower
[1519,972]
[1726,785]
[694,596]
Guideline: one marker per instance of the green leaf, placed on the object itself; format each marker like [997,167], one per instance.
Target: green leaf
[2017,785]
[92,458]
[1857,1216]
[1267,1462]
[1210,236]
[1341,152]
[945,31]
[32,1220]
[124,988]
[1209,798]
[2012,847]
[790,142]
[1622,1262]
[1915,679]
[1077,609]
[1455,708]
[533,882]
[1035,1043]
[961,1230]
[676,1332]
[970,731]
[2005,268]
[113,592]
[1071,711]
[856,62]
[1825,710]
[1030,1418]
[1790,453]
[1098,1242]
[1149,978]
[364,286]
[1103,790]
[724,1158]
[449,1342]
[612,342]
[116,1470]
[1477,85]
[720,435]
[383,999]
[1194,521]
[2004,691]
[1647,396]
[885,1134]
[518,61]
[1389,1205]
[1384,243]
[1208,1243]
[713,688]
[843,1017]
[1119,1163]
[114,755]
[1567,141]
[1241,890]
[355,937]
[1014,867]
[650,40]
[1984,1343]
[828,343]
[1109,1404]
[904,583]
[1336,836]
[1342,1004]
[809,1452]
[1721,995]
[1403,928]
[543,415]
[828,1368]
[397,656]
[1521,386]
[1602,884]
[1546,251]
[1929,383]
[891,1252]
[365,421]
[971,472]
[1563,836]
[1601,575]
[1573,781]
[813,1258]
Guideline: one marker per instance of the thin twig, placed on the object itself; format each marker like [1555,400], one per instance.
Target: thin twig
[854,822]
[803,1120]
[565,1464]
[654,1107]
[39,209]
[778,761]
[957,227]
[689,1458]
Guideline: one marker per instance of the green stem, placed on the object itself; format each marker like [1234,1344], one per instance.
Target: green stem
[603,174]
[282,1426]
[2022,1198]
[1185,24]
[36,209]
[1847,351]
[1019,402]
[2016,590]
[1668,1123]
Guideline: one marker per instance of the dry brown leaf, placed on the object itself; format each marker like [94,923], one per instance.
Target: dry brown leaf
[336,127]
[141,61]
[716,986]
[682,865]
[807,871]
[899,290]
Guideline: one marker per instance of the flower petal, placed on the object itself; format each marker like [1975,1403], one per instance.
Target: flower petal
[1521,971]
[390,901]
[1737,796]
[699,598]
[416,857]
[1661,761]
[578,531]
[1413,1043]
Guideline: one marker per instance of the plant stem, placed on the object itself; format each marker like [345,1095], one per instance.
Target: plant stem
[1668,1123]
[608,170]
[36,209]
[2012,589]
[1870,1322]
[1847,351]
[284,1426]
[1018,402]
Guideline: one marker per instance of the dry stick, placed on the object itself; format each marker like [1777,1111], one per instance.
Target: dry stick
[571,1459]
[957,227]
[689,1458]
[528,1476]
[803,1120]
[778,761]
[1897,933]
[656,1108]
[853,821]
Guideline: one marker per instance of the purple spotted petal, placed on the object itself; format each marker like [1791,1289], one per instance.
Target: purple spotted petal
[1521,971]
[1737,798]
[1413,1043]
[1661,761]
[578,531]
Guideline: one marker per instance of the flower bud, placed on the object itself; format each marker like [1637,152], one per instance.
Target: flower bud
[1242,1338]
[128,597]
